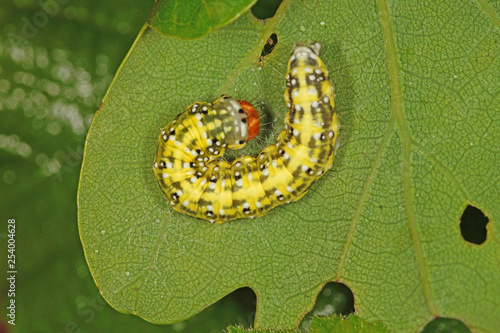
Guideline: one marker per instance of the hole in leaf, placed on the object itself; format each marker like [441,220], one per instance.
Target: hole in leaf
[237,308]
[445,325]
[270,44]
[245,303]
[335,298]
[473,225]
[265,9]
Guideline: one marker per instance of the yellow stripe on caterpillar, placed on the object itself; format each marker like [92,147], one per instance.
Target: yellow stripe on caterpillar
[197,184]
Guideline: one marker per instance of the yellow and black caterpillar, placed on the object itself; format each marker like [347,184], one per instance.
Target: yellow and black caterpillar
[198,184]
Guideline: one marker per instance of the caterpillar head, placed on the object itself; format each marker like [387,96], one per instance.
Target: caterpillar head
[241,122]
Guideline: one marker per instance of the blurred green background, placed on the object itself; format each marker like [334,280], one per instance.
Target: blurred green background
[57,58]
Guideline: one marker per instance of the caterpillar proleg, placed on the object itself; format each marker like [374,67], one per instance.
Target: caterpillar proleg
[199,184]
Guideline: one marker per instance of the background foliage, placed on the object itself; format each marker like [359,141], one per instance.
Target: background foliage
[55,68]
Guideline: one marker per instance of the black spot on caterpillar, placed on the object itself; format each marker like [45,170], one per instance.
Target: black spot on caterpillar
[197,184]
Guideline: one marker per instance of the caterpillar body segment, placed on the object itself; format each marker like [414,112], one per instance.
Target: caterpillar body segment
[199,184]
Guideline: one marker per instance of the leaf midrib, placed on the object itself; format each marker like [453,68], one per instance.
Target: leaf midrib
[266,32]
[397,114]
[396,119]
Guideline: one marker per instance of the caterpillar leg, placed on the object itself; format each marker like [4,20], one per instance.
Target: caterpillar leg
[198,184]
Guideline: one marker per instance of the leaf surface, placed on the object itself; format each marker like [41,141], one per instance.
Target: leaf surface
[195,18]
[417,94]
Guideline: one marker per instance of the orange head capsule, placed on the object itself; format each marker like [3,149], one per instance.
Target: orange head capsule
[253,119]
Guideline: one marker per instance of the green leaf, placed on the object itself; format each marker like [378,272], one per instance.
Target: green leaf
[195,18]
[55,68]
[417,93]
[350,324]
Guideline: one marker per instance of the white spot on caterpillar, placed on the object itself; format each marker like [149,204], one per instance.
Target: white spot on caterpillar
[192,138]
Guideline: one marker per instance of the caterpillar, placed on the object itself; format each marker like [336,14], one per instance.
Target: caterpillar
[198,182]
